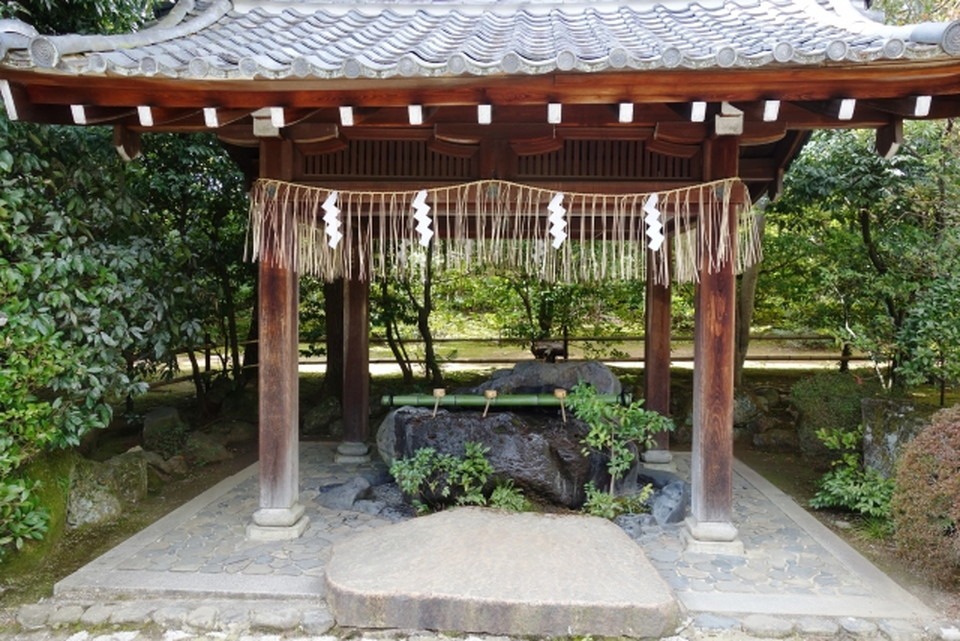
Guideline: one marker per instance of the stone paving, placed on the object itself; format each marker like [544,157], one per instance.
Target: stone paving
[193,575]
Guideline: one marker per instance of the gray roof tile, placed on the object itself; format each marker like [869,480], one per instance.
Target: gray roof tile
[330,38]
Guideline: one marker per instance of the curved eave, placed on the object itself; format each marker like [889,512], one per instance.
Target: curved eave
[874,81]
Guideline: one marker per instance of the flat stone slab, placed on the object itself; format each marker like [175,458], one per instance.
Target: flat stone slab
[486,571]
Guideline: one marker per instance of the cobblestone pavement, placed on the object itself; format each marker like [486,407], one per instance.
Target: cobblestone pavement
[194,575]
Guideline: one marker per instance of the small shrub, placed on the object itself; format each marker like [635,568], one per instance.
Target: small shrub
[434,480]
[827,401]
[848,486]
[470,474]
[615,428]
[21,516]
[926,502]
[508,497]
[875,529]
[610,506]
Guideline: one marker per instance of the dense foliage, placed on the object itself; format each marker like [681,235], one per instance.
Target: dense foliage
[104,275]
[926,502]
[75,308]
[192,192]
[106,269]
[81,16]
[849,485]
[828,402]
[865,248]
[434,480]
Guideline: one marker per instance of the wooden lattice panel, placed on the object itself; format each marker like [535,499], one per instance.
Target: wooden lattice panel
[606,160]
[389,160]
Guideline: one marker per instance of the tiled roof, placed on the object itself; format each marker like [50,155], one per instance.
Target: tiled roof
[423,38]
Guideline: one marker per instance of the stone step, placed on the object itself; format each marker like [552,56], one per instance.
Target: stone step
[486,571]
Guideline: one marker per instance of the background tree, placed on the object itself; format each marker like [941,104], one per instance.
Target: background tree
[76,304]
[855,238]
[193,191]
[84,16]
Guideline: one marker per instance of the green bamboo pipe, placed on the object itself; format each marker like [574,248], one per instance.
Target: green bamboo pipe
[478,400]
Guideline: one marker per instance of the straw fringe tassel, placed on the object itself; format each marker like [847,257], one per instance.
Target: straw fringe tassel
[503,225]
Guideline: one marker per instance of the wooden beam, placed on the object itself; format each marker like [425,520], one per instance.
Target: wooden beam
[330,146]
[912,107]
[656,357]
[306,131]
[681,133]
[762,133]
[472,133]
[675,150]
[879,80]
[356,367]
[280,515]
[711,521]
[456,150]
[536,146]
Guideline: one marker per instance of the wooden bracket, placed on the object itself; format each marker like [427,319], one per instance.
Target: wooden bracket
[126,142]
[889,139]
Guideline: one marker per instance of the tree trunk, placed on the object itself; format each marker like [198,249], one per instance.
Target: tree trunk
[251,350]
[200,384]
[394,340]
[434,373]
[845,353]
[233,339]
[424,307]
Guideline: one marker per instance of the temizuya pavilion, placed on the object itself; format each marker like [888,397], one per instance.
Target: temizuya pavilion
[549,134]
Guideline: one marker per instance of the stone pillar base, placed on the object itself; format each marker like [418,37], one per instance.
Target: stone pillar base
[278,524]
[712,537]
[352,452]
[659,460]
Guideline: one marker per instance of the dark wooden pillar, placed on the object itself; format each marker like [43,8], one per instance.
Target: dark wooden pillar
[710,525]
[333,309]
[656,359]
[280,515]
[356,369]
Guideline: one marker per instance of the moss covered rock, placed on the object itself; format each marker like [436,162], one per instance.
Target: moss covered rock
[52,472]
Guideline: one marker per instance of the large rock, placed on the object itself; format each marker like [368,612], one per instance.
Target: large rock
[534,377]
[203,449]
[175,466]
[746,410]
[542,455]
[129,472]
[888,425]
[234,431]
[164,431]
[94,496]
[671,498]
[387,436]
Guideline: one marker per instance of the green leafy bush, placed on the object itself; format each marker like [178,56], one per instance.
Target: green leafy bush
[610,506]
[848,486]
[21,516]
[434,480]
[615,430]
[506,496]
[926,502]
[827,401]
